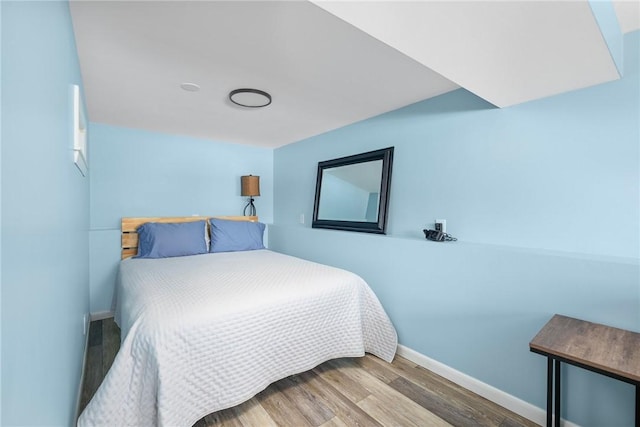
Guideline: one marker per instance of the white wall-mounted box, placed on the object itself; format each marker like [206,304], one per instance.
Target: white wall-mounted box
[79,133]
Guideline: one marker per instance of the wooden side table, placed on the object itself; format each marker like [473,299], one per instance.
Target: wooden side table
[603,349]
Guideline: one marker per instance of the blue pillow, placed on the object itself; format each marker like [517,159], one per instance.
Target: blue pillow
[233,236]
[163,240]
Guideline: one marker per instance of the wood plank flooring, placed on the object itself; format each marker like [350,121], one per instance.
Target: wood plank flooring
[343,392]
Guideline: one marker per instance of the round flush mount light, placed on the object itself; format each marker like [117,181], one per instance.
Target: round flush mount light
[252,98]
[190,87]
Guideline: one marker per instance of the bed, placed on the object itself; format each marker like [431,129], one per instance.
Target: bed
[206,332]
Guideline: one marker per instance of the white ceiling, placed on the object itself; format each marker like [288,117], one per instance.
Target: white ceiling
[327,64]
[628,13]
[505,52]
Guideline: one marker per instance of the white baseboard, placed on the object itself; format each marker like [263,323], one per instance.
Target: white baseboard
[100,315]
[506,400]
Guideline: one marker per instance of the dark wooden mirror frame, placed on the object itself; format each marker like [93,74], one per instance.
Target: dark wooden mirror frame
[379,227]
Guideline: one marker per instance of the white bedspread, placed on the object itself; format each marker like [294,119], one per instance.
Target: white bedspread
[208,332]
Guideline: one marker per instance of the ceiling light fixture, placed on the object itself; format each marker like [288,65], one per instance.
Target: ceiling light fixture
[190,87]
[252,98]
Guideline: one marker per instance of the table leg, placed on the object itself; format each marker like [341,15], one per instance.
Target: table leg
[550,392]
[557,393]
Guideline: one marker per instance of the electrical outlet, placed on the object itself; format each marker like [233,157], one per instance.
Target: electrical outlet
[441,225]
[85,324]
[301,218]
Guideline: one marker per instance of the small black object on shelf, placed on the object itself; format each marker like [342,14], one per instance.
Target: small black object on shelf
[438,236]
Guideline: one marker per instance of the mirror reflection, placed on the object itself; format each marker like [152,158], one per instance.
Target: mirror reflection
[351,193]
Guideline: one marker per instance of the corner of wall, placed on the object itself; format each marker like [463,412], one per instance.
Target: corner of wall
[605,16]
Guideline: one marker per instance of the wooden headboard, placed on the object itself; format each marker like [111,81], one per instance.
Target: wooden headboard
[129,240]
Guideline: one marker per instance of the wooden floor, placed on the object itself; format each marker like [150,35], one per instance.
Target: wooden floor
[344,392]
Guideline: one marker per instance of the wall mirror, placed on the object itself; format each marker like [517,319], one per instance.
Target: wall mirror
[352,193]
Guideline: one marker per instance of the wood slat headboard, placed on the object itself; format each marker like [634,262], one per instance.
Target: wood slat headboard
[129,239]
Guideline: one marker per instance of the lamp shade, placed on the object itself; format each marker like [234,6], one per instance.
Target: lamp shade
[250,185]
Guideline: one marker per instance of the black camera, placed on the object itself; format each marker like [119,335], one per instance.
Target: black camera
[435,235]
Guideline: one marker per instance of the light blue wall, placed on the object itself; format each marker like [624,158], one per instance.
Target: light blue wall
[45,218]
[0,212]
[544,198]
[140,173]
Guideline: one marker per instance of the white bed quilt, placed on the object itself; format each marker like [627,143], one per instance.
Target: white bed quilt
[208,332]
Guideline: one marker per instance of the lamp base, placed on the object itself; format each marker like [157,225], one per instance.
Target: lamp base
[251,207]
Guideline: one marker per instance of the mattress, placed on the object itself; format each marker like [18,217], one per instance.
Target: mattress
[207,332]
